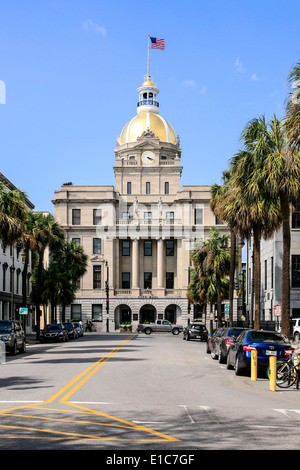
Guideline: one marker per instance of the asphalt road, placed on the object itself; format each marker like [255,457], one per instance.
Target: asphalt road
[131,393]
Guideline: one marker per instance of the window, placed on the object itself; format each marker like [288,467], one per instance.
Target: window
[96,312]
[97,245]
[295,270]
[97,277]
[198,217]
[76,241]
[219,221]
[125,248]
[170,248]
[272,273]
[125,280]
[148,248]
[76,312]
[125,215]
[296,215]
[128,187]
[166,187]
[147,187]
[75,216]
[169,280]
[131,157]
[170,217]
[266,275]
[148,217]
[97,216]
[147,280]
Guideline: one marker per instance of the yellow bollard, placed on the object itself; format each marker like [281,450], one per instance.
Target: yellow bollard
[253,364]
[272,375]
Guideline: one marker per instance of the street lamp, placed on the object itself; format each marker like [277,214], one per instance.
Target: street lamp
[107,296]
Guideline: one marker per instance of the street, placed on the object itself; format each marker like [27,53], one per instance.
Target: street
[132,392]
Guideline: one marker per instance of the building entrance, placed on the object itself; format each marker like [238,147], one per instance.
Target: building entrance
[147,314]
[170,313]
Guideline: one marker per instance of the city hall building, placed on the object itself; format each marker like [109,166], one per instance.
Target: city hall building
[137,234]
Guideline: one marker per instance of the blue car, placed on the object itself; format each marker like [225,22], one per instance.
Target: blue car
[266,343]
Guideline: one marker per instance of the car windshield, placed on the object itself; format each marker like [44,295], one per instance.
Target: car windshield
[68,326]
[233,332]
[267,337]
[197,327]
[6,326]
[52,327]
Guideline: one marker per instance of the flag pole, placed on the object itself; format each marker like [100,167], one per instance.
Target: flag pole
[148,67]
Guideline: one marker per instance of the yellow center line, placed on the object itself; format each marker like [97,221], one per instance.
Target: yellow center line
[72,387]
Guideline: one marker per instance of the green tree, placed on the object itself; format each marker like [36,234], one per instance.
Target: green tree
[250,200]
[70,263]
[292,118]
[218,202]
[212,262]
[12,214]
[50,235]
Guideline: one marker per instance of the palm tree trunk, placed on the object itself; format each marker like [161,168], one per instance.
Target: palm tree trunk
[219,302]
[285,273]
[231,275]
[257,275]
[38,300]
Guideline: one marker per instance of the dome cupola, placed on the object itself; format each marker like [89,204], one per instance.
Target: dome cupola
[148,117]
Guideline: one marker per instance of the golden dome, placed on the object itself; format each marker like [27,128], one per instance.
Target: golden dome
[147,121]
[148,82]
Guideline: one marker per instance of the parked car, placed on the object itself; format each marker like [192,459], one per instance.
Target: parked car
[266,343]
[221,343]
[53,332]
[71,330]
[79,328]
[211,339]
[12,334]
[195,331]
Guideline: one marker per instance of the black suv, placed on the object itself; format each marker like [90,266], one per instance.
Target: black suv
[53,332]
[195,331]
[12,334]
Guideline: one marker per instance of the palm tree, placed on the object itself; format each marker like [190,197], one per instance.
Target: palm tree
[292,118]
[212,261]
[219,195]
[71,262]
[258,212]
[12,214]
[30,240]
[50,235]
[281,176]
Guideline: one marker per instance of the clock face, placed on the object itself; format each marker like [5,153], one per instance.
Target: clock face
[148,158]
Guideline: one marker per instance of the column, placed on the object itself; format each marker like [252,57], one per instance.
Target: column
[135,263]
[160,263]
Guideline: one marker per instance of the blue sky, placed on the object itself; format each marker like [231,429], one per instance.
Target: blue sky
[71,69]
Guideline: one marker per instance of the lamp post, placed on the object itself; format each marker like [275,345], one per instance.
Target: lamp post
[107,296]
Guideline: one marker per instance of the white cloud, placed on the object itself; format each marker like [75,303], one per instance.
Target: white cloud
[189,83]
[239,66]
[89,25]
[254,77]
[203,90]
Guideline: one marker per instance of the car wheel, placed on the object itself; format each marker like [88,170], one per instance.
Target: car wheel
[175,331]
[23,348]
[147,331]
[228,364]
[297,336]
[14,349]
[222,359]
[237,367]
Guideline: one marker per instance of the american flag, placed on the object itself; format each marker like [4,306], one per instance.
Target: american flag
[157,43]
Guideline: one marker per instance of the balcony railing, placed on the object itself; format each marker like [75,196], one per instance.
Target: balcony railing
[148,102]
